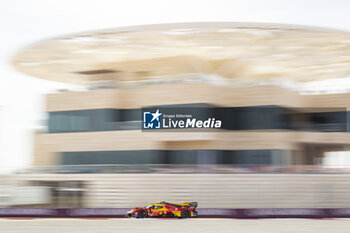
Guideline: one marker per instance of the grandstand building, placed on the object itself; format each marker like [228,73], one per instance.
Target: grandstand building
[261,125]
[226,69]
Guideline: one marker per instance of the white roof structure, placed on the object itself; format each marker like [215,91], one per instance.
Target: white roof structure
[249,51]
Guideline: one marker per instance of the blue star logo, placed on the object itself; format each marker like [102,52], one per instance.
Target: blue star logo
[151,120]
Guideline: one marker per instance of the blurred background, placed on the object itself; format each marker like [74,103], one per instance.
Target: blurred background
[76,74]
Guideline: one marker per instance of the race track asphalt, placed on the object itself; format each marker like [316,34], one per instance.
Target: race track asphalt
[200,225]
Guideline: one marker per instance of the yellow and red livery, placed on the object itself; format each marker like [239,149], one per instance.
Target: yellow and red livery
[165,209]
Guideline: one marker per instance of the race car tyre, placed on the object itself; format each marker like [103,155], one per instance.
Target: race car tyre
[185,213]
[142,213]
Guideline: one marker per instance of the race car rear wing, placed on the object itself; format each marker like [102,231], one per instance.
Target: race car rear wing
[191,205]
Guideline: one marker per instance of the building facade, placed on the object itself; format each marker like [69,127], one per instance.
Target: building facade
[261,125]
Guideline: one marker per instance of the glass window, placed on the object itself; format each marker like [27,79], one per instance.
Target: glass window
[178,157]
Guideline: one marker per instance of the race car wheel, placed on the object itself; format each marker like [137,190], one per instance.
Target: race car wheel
[185,213]
[142,213]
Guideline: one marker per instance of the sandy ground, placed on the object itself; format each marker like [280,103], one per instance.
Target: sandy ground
[174,225]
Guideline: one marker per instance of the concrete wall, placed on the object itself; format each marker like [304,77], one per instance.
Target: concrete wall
[173,94]
[48,146]
[210,190]
[191,93]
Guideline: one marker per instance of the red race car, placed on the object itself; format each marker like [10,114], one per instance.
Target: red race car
[165,209]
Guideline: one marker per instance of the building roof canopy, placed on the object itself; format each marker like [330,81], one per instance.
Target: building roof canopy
[247,51]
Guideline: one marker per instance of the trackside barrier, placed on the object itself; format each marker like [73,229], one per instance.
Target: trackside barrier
[202,212]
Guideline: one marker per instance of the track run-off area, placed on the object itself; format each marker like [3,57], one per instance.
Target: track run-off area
[212,225]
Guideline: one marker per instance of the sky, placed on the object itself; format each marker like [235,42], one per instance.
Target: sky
[23,22]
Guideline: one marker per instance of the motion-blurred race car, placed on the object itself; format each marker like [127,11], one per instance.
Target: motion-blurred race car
[165,209]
